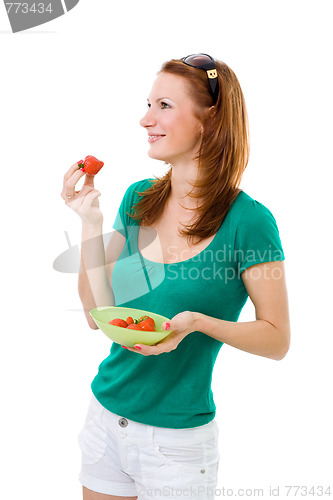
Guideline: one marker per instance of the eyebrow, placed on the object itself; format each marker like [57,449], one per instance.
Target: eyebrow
[161,99]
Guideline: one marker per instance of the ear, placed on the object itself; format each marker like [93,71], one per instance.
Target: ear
[212,111]
[208,113]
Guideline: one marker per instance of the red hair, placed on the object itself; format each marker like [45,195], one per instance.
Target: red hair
[223,154]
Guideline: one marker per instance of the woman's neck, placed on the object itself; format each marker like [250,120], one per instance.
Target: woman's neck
[182,176]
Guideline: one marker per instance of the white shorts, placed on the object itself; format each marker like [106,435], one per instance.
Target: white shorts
[125,458]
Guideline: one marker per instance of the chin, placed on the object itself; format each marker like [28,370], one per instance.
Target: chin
[156,156]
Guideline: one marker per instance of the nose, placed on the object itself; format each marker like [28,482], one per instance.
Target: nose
[148,119]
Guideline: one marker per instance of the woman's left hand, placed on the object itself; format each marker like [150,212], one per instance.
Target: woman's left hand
[180,325]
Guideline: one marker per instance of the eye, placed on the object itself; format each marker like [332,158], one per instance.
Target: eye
[163,104]
[148,104]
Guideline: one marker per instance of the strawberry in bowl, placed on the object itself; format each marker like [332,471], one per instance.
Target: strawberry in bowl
[147,329]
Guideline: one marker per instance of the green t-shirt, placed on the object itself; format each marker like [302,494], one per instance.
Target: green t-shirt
[174,389]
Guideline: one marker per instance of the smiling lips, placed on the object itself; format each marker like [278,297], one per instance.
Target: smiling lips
[154,138]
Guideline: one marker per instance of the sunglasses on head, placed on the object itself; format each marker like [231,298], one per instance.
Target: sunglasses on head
[207,63]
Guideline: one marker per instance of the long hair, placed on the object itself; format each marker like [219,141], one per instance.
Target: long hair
[222,156]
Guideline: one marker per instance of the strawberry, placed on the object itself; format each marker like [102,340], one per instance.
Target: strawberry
[129,320]
[118,322]
[133,326]
[149,320]
[146,326]
[91,165]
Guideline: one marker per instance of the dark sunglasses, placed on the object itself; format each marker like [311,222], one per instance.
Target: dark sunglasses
[207,63]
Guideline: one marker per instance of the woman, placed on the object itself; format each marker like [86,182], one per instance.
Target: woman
[150,429]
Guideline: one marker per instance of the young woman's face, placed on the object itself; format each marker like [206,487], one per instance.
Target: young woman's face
[174,132]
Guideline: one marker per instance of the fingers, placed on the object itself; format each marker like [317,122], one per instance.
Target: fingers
[71,177]
[69,185]
[89,199]
[168,344]
[71,171]
[89,180]
[83,202]
[145,350]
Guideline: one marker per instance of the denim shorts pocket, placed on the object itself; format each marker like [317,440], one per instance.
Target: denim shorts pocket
[92,438]
[198,459]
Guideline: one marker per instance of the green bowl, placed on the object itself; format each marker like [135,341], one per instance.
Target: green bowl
[124,336]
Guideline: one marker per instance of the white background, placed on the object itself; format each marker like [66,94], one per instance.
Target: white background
[77,86]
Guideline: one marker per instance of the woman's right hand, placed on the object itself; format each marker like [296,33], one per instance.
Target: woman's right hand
[84,202]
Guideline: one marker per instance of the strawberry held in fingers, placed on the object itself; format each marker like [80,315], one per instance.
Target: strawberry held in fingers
[91,165]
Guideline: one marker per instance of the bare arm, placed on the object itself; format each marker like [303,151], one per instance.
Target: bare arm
[269,335]
[94,283]
[93,257]
[93,286]
[86,296]
[95,278]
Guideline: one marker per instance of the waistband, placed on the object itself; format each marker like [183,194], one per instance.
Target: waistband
[144,433]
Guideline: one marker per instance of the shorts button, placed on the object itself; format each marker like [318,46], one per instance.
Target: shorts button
[123,422]
[202,471]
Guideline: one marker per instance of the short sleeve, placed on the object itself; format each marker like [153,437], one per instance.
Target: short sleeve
[122,220]
[257,237]
[130,198]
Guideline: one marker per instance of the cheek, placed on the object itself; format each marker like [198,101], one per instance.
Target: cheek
[182,131]
[192,133]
